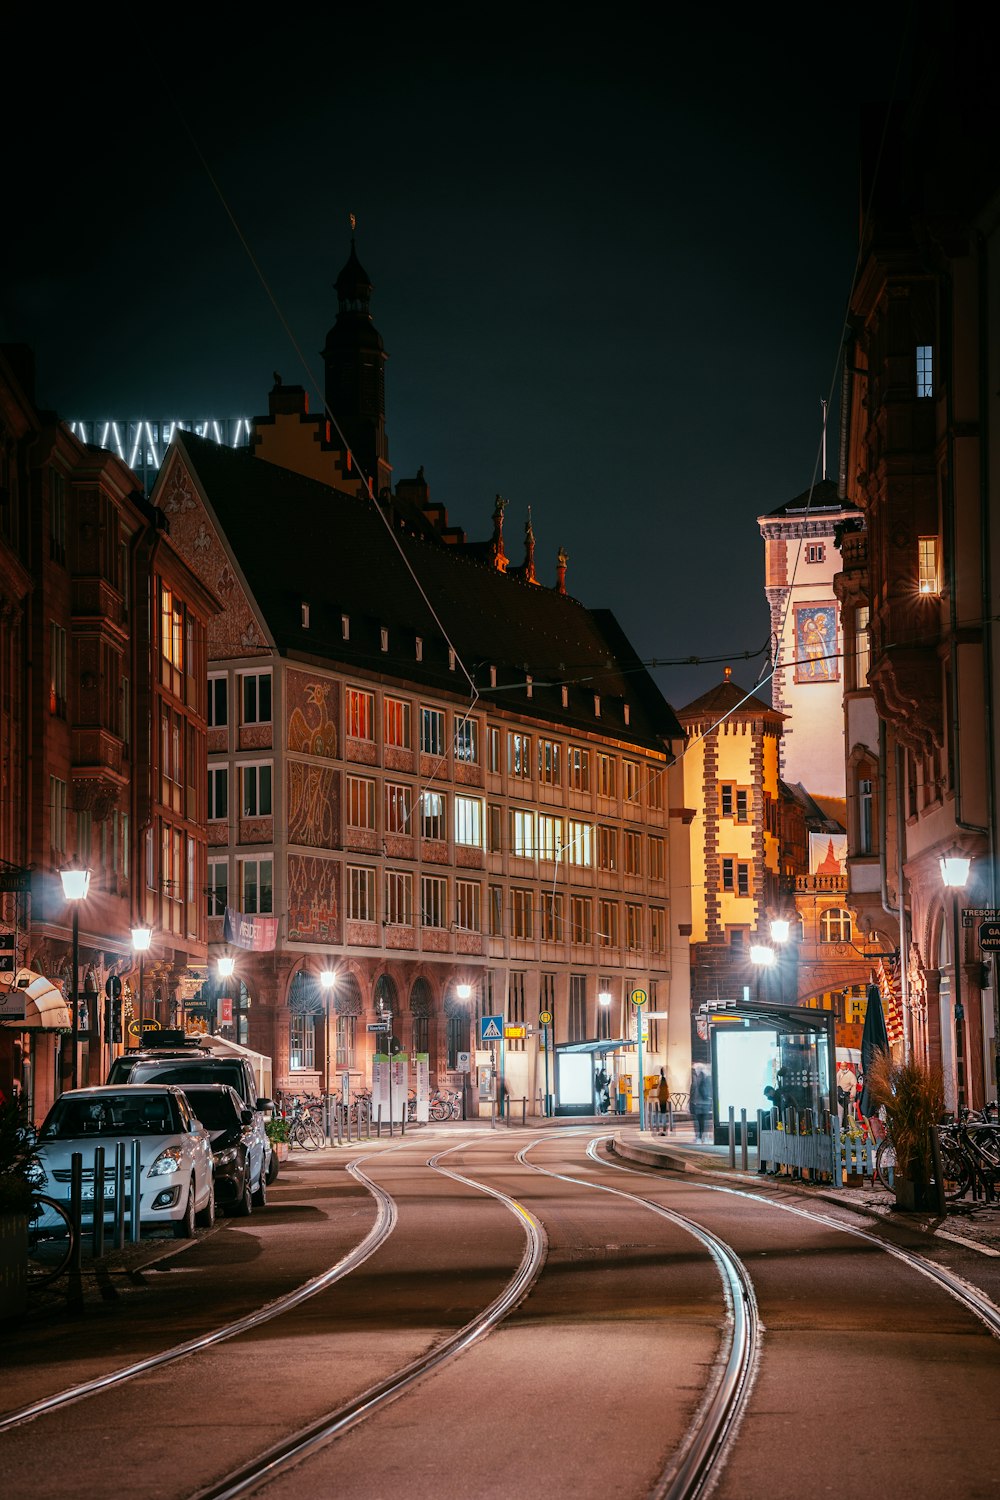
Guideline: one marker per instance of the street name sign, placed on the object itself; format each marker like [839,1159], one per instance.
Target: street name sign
[973,914]
[491,1028]
[379,1025]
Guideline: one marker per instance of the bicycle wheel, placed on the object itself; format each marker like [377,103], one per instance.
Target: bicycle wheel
[51,1240]
[439,1110]
[955,1170]
[312,1136]
[885,1165]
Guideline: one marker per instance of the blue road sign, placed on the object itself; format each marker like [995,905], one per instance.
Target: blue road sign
[491,1028]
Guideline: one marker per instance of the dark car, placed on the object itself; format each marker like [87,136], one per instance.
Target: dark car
[177,1059]
[239,1146]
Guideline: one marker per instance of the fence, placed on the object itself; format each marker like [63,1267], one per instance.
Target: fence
[822,1148]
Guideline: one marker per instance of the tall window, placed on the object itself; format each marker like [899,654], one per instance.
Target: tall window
[552,916]
[549,763]
[359,714]
[494,750]
[257,698]
[927,562]
[218,702]
[581,921]
[398,807]
[578,769]
[521,922]
[57,670]
[396,723]
[496,911]
[519,755]
[862,645]
[605,775]
[431,731]
[257,885]
[433,901]
[607,924]
[633,926]
[607,848]
[255,793]
[171,630]
[433,822]
[516,1008]
[605,987]
[218,887]
[467,741]
[467,905]
[494,828]
[577,1016]
[630,780]
[657,929]
[360,893]
[469,821]
[633,852]
[360,802]
[865,796]
[742,804]
[835,926]
[580,848]
[549,836]
[925,370]
[57,516]
[346,1042]
[398,898]
[654,789]
[522,833]
[301,1041]
[657,849]
[218,793]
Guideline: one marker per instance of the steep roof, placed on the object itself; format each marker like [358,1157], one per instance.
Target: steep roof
[728,699]
[824,500]
[298,541]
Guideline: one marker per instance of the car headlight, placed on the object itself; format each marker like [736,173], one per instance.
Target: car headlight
[225,1158]
[169,1160]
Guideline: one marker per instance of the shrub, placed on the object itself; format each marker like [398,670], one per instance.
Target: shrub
[913,1099]
[277,1130]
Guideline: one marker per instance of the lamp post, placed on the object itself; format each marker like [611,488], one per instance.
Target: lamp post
[327,979]
[955,873]
[75,883]
[464,992]
[762,957]
[142,936]
[226,964]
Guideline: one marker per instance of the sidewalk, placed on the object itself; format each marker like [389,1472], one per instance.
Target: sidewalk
[976,1225]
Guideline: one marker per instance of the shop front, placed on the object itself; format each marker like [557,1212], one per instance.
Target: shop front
[35,1025]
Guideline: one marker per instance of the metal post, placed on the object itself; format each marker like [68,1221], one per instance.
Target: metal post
[98,1231]
[75,1294]
[119,1195]
[75,1068]
[760,1140]
[732,1135]
[548,1096]
[135,1214]
[642,1081]
[142,1002]
[743,1140]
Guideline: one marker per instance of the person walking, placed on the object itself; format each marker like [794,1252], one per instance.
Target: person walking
[663,1100]
[701,1101]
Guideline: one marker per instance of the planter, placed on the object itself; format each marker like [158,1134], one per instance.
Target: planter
[13,1265]
[280,1149]
[910,1196]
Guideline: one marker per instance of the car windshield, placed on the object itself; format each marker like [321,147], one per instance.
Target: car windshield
[215,1111]
[129,1113]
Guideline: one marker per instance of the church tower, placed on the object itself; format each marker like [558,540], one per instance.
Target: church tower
[354,358]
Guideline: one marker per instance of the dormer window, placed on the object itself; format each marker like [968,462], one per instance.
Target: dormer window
[345,627]
[528,684]
[384,638]
[565,696]
[597,705]
[451,659]
[420,649]
[305,617]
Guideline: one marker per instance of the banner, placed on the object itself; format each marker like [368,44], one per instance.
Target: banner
[246,930]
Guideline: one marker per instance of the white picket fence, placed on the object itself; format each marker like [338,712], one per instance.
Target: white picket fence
[830,1151]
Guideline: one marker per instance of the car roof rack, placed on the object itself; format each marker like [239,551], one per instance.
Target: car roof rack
[170,1039]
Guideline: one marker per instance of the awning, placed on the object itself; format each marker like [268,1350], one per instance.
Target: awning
[605,1046]
[33,1003]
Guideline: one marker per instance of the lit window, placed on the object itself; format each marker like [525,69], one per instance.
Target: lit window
[432,816]
[835,926]
[580,849]
[360,802]
[433,901]
[549,836]
[925,370]
[359,712]
[469,822]
[862,645]
[522,833]
[396,714]
[927,562]
[431,731]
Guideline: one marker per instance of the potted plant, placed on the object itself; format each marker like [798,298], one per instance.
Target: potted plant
[913,1099]
[277,1134]
[20,1175]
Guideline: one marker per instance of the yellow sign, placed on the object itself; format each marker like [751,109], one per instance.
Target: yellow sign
[638,997]
[545,1019]
[133,1027]
[515,1033]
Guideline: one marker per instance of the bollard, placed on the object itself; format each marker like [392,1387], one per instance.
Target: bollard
[379,1127]
[75,1294]
[119,1195]
[744,1143]
[98,1229]
[732,1136]
[524,1112]
[761,1164]
[135,1210]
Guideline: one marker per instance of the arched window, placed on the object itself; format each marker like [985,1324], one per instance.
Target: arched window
[305,1001]
[835,926]
[386,994]
[348,1006]
[420,1011]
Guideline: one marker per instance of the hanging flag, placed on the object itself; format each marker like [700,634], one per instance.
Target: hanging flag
[891,991]
[874,1038]
[247,930]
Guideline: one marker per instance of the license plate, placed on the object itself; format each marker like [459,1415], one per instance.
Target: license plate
[88,1190]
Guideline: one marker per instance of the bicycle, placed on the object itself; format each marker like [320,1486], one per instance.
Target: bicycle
[52,1238]
[303,1130]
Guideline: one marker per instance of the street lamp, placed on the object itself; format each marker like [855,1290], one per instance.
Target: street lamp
[327,979]
[142,936]
[762,957]
[955,872]
[226,965]
[75,883]
[464,992]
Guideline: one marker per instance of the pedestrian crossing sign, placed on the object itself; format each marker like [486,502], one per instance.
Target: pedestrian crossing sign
[491,1028]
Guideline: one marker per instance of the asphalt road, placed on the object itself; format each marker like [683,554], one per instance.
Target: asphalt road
[586,1388]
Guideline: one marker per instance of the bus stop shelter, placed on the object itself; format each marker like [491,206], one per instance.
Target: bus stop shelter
[755,1044]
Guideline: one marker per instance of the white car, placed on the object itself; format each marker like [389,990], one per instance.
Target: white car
[175,1153]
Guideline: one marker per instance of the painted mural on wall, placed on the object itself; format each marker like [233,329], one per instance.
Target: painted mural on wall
[828,854]
[313,899]
[816,656]
[313,715]
[313,805]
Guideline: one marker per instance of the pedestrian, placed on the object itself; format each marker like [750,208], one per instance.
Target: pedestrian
[776,1100]
[701,1101]
[663,1100]
[601,1084]
[847,1092]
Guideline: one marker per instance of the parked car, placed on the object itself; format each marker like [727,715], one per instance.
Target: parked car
[175,1152]
[180,1060]
[240,1147]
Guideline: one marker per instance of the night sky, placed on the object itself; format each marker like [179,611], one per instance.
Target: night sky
[611,271]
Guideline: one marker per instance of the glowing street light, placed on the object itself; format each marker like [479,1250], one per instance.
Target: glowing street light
[142,937]
[76,884]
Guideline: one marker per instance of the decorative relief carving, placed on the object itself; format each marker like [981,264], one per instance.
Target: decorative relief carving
[256,831]
[312,715]
[313,899]
[362,751]
[313,805]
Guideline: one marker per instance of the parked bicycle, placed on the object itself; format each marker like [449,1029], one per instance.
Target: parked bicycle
[445,1104]
[52,1238]
[303,1129]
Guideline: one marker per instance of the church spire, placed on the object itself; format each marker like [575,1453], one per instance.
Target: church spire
[355,357]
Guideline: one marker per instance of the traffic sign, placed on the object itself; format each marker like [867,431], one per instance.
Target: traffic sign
[989,937]
[113,987]
[491,1028]
[379,1025]
[638,997]
[545,1018]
